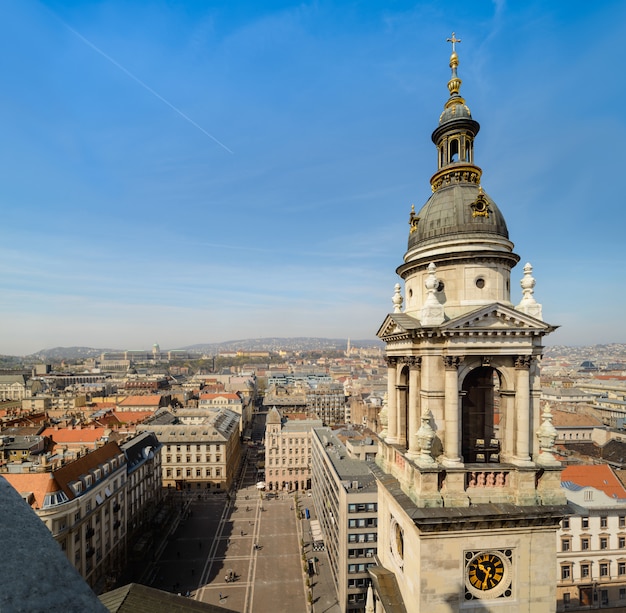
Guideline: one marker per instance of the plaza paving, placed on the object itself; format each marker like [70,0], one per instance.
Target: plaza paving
[217,534]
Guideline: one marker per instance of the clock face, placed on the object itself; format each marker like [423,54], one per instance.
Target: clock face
[485,571]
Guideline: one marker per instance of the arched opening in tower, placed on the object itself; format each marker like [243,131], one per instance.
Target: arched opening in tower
[481,416]
[403,406]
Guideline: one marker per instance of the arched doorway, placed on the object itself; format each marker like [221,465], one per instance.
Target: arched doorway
[481,416]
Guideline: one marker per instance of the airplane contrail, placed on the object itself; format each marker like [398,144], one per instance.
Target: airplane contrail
[144,85]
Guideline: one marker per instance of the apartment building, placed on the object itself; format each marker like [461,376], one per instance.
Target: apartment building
[345,496]
[288,452]
[144,480]
[83,504]
[591,543]
[227,400]
[201,451]
[328,402]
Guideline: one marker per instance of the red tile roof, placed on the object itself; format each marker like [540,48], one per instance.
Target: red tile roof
[132,417]
[39,484]
[568,419]
[599,476]
[74,435]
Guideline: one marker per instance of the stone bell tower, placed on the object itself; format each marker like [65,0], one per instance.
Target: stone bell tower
[469,487]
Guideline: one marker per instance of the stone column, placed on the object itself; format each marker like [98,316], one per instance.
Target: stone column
[451,410]
[522,410]
[414,409]
[392,399]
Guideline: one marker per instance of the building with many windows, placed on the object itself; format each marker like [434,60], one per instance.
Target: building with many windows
[591,543]
[288,452]
[201,451]
[346,502]
[144,486]
[83,504]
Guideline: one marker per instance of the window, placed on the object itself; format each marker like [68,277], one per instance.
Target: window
[585,571]
[566,598]
[603,521]
[621,542]
[566,572]
[621,568]
[565,523]
[622,521]
[584,522]
[622,593]
[604,597]
[604,569]
[604,542]
[584,543]
[565,544]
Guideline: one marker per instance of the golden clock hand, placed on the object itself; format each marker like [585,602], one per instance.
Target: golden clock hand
[487,575]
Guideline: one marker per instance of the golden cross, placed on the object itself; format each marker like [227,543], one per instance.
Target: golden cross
[453,40]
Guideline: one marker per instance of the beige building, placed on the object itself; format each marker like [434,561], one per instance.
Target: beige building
[288,452]
[200,452]
[469,488]
[14,387]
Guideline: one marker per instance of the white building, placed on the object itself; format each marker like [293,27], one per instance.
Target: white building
[591,543]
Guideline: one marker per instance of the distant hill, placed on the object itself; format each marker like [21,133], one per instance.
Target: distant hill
[303,343]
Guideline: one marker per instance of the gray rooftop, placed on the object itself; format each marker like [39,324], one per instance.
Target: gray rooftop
[347,468]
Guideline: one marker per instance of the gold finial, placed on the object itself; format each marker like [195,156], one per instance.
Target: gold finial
[454,84]
[453,40]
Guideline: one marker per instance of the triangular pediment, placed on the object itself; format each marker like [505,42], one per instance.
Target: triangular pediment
[497,316]
[397,323]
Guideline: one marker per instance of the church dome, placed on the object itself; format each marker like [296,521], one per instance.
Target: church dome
[461,208]
[459,212]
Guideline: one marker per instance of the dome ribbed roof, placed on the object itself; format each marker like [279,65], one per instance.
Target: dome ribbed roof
[461,208]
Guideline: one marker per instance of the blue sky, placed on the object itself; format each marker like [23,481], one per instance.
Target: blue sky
[185,172]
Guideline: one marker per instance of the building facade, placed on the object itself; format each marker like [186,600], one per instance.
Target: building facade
[202,451]
[591,543]
[288,452]
[83,504]
[469,495]
[346,502]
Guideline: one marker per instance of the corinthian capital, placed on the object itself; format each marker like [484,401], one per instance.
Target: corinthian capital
[523,361]
[451,362]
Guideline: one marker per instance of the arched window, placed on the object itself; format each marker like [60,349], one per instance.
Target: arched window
[481,415]
[454,150]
